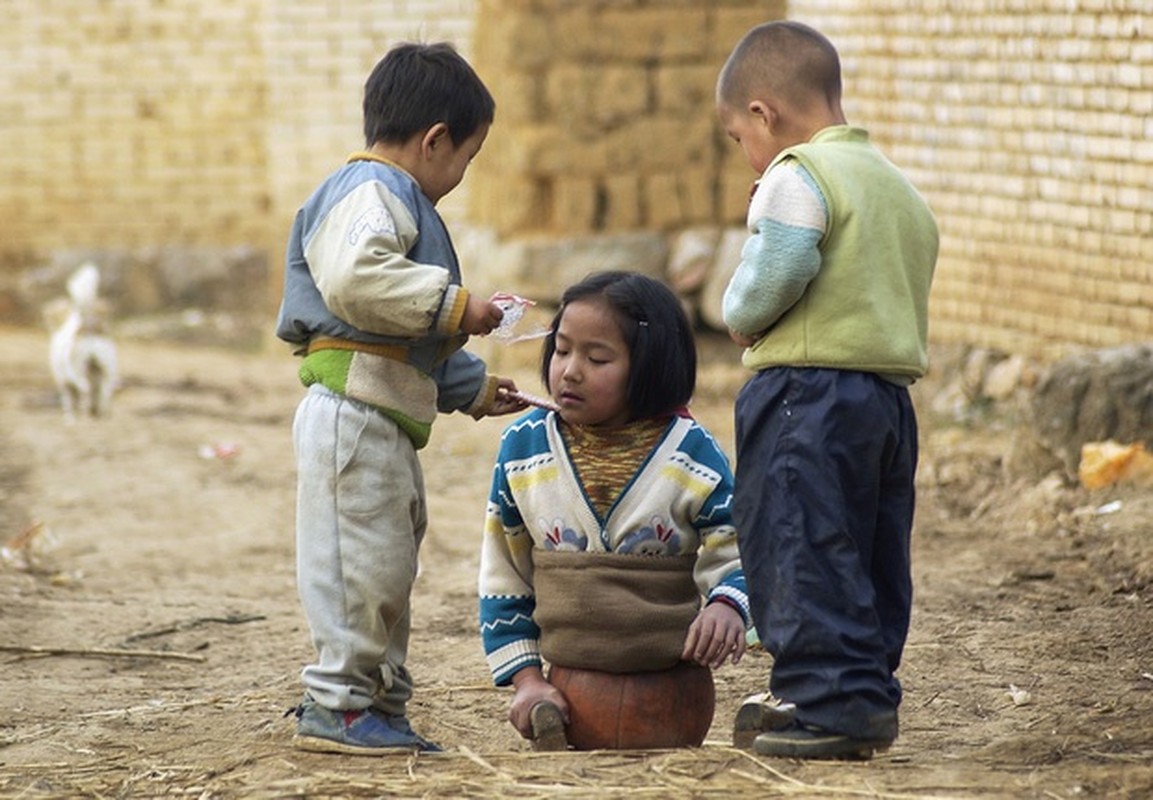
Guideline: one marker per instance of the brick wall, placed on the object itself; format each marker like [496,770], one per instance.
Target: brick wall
[319,55]
[156,136]
[133,125]
[606,118]
[1028,126]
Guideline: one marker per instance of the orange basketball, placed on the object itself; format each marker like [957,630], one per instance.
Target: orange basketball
[637,710]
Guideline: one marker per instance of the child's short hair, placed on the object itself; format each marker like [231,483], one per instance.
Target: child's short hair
[416,86]
[788,57]
[662,350]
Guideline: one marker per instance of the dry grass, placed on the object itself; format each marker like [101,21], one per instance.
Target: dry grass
[712,771]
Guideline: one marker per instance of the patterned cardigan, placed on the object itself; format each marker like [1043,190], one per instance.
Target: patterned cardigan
[679,502]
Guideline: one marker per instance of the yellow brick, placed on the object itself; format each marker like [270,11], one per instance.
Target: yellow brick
[519,97]
[622,203]
[510,205]
[659,143]
[574,205]
[647,34]
[595,97]
[732,23]
[696,188]
[686,89]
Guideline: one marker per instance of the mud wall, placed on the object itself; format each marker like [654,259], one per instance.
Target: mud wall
[171,141]
[185,132]
[1028,126]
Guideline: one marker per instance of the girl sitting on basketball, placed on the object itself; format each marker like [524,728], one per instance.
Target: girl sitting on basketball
[608,543]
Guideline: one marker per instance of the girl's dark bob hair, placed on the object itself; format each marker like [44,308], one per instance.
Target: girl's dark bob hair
[662,350]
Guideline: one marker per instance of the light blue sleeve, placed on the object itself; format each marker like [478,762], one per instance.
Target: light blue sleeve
[781,256]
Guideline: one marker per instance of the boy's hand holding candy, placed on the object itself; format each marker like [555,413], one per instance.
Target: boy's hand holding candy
[508,400]
[481,316]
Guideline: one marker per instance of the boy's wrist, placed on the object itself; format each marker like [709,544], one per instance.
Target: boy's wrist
[452,315]
[485,398]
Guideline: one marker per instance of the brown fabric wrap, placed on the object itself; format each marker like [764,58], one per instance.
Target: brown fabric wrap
[613,612]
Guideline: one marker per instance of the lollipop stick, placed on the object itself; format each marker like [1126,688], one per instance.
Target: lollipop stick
[533,400]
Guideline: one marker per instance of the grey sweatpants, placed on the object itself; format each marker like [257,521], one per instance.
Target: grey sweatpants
[360,518]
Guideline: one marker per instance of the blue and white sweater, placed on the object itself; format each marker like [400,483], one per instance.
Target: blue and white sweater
[679,502]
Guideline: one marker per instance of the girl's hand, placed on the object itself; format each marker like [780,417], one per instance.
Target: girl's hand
[717,633]
[532,688]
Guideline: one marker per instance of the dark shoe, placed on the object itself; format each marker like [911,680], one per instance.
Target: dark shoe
[760,713]
[359,732]
[547,728]
[800,741]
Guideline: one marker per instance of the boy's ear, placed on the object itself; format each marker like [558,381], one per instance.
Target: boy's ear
[434,137]
[765,112]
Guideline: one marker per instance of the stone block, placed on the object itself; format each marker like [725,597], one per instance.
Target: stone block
[525,41]
[659,143]
[550,149]
[644,34]
[181,285]
[734,194]
[519,98]
[511,203]
[589,96]
[677,199]
[731,24]
[575,206]
[686,88]
[1093,397]
[691,258]
[663,202]
[540,268]
[728,256]
[622,202]
[698,191]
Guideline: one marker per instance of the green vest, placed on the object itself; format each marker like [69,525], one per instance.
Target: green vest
[867,308]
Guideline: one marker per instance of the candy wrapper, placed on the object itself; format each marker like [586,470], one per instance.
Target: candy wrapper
[513,327]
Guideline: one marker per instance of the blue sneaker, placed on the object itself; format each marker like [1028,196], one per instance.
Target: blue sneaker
[359,732]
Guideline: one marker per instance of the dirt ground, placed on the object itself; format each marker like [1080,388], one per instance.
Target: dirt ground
[151,639]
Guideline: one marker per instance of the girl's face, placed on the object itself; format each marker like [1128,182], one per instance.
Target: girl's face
[588,374]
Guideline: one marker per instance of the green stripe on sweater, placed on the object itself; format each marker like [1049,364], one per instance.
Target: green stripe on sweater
[329,368]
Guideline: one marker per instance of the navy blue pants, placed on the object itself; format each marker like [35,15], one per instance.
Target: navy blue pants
[823,505]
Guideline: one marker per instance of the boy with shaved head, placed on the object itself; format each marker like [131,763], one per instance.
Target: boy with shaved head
[830,302]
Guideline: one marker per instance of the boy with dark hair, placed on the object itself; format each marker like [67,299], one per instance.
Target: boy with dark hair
[830,300]
[373,302]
